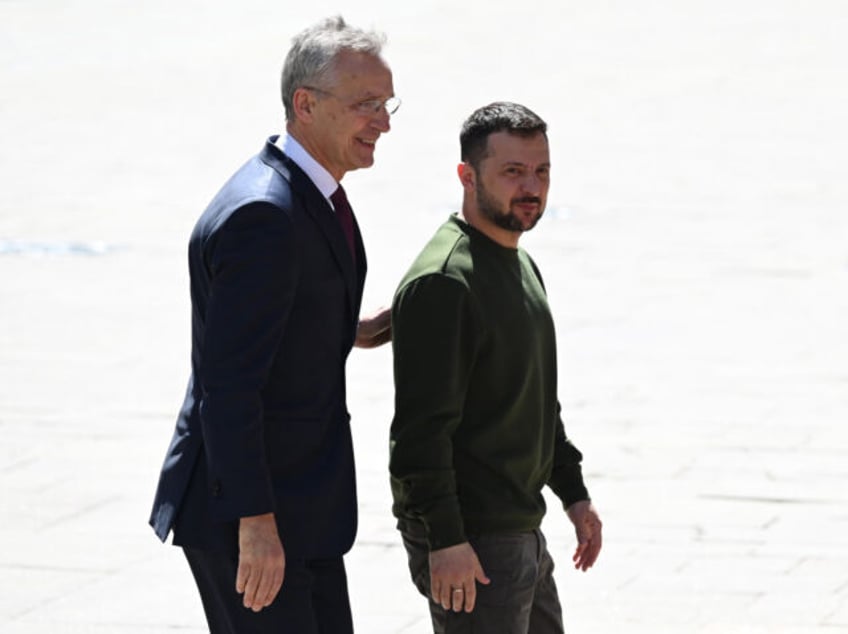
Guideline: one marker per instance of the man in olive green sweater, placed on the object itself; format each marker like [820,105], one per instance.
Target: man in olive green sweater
[477,431]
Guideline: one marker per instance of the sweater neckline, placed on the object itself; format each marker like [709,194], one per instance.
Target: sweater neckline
[480,238]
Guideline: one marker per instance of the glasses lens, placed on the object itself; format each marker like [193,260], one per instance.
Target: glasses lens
[392,104]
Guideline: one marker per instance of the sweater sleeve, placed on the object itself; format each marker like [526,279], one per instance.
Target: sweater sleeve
[566,479]
[434,350]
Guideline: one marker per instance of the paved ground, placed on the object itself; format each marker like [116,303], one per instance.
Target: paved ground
[695,250]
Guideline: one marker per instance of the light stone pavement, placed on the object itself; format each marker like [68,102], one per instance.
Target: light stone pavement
[695,252]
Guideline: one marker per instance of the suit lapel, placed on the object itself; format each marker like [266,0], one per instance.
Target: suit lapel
[319,209]
[361,263]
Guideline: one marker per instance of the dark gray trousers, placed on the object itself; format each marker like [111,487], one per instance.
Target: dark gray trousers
[521,598]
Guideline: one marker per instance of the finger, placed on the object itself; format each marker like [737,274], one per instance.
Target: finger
[589,555]
[276,585]
[445,596]
[379,338]
[587,562]
[471,588]
[441,593]
[592,552]
[578,554]
[445,599]
[593,543]
[435,590]
[470,596]
[242,574]
[457,599]
[250,589]
[480,575]
[263,589]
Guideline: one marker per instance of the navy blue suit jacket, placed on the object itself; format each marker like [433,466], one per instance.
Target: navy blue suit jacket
[264,426]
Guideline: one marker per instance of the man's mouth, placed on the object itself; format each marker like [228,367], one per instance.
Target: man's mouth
[528,203]
[527,199]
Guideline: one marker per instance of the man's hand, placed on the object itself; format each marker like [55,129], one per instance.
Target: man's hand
[453,571]
[374,330]
[262,562]
[587,525]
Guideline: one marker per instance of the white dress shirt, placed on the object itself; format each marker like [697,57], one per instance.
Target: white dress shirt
[316,172]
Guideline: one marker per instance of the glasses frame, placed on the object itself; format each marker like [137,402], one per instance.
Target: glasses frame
[366,107]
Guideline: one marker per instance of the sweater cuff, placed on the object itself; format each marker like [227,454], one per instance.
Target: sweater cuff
[444,527]
[568,485]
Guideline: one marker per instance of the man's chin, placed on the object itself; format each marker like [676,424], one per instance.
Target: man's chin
[521,225]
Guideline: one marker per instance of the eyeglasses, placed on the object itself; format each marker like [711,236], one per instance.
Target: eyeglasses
[366,107]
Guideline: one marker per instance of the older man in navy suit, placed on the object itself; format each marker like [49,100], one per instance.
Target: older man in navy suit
[258,483]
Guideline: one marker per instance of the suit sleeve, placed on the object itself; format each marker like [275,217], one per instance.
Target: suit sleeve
[432,338]
[253,267]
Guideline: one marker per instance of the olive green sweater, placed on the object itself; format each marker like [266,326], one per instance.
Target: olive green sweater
[477,431]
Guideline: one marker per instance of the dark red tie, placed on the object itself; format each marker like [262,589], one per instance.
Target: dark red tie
[345,216]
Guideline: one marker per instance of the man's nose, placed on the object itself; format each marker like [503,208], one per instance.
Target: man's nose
[532,184]
[381,120]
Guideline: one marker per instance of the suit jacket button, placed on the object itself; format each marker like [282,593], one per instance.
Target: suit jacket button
[216,489]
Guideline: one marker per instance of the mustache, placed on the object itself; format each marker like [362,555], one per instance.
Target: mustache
[527,199]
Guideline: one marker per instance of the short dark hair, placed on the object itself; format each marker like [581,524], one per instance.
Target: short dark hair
[500,116]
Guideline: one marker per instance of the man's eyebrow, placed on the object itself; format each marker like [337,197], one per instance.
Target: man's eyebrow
[520,164]
[371,94]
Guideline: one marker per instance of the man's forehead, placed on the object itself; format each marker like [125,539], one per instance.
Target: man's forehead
[355,66]
[506,147]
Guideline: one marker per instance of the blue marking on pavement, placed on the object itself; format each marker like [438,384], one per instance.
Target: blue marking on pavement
[36,248]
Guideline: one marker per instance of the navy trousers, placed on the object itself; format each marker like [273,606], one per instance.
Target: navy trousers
[313,599]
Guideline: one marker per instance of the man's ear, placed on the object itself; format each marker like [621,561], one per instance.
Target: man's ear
[467,176]
[303,103]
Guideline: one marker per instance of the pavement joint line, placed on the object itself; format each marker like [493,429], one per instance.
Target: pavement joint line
[18,464]
[85,510]
[770,500]
[57,568]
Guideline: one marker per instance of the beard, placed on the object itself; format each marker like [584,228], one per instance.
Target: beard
[505,218]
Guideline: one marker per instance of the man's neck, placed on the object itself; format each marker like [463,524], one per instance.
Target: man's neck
[296,132]
[503,237]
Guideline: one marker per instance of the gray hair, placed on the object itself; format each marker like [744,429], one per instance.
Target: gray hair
[311,59]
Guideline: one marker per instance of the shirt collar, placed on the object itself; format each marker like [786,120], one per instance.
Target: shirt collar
[320,177]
